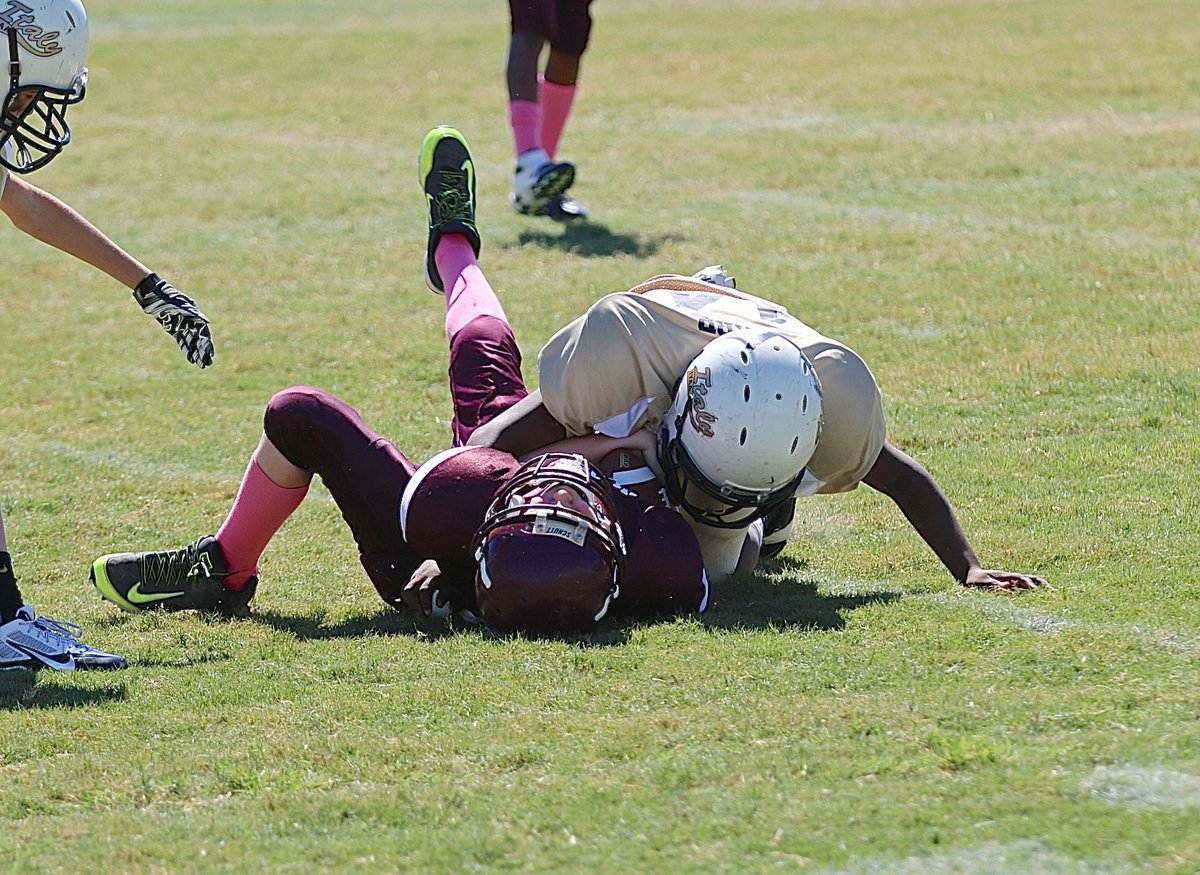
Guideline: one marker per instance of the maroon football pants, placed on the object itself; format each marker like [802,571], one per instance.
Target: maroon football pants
[485,374]
[365,473]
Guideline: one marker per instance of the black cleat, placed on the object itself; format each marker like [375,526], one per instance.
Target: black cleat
[448,177]
[191,578]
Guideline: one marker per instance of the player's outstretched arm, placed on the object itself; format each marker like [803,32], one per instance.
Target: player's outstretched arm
[44,217]
[905,481]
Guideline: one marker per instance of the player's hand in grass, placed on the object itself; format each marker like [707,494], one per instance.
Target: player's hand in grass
[179,316]
[421,593]
[1005,581]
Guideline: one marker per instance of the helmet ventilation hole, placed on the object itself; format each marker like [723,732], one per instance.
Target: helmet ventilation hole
[795,443]
[746,394]
[745,358]
[804,404]
[778,396]
[742,438]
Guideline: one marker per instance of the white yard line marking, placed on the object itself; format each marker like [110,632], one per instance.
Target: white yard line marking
[1003,609]
[135,465]
[1018,857]
[1144,787]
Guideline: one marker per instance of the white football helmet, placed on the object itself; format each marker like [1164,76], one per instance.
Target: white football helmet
[47,43]
[745,420]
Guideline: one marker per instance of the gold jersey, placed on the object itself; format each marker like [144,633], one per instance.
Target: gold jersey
[614,370]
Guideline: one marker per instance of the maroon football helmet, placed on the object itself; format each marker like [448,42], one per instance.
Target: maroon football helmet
[551,553]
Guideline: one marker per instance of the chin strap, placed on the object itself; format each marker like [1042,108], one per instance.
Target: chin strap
[14,62]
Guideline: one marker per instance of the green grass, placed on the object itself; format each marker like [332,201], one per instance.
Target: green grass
[995,203]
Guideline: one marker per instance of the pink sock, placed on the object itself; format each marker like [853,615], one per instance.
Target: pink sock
[526,119]
[259,510]
[468,293]
[555,101]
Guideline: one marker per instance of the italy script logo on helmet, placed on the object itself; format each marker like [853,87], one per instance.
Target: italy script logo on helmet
[698,384]
[18,18]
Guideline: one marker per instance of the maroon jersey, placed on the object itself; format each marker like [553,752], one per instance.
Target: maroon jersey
[447,498]
[664,571]
[445,501]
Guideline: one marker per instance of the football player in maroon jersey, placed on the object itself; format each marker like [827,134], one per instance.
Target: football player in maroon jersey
[542,543]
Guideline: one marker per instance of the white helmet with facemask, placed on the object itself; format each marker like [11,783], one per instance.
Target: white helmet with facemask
[744,422]
[46,44]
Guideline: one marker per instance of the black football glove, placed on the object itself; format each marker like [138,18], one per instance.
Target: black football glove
[179,316]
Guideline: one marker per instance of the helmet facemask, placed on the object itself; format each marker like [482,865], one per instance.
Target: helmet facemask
[732,507]
[36,129]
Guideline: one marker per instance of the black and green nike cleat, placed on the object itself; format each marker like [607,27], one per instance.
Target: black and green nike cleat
[191,578]
[447,174]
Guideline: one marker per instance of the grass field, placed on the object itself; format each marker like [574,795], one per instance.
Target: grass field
[996,202]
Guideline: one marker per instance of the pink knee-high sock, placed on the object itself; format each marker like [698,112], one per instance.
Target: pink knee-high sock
[525,117]
[259,510]
[555,101]
[468,293]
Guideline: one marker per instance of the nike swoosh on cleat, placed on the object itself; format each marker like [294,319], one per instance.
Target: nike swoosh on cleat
[468,167]
[61,661]
[136,597]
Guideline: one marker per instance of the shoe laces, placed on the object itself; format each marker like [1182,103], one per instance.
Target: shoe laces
[58,628]
[169,568]
[453,201]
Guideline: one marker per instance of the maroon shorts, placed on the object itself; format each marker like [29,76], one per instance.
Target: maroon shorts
[567,24]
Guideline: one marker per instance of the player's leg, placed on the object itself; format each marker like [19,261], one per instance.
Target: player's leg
[485,362]
[271,490]
[521,74]
[536,178]
[364,472]
[485,374]
[557,91]
[28,641]
[215,572]
[447,175]
[569,41]
[11,600]
[306,432]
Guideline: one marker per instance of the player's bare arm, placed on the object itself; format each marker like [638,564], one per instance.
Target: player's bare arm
[44,217]
[594,447]
[905,481]
[522,428]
